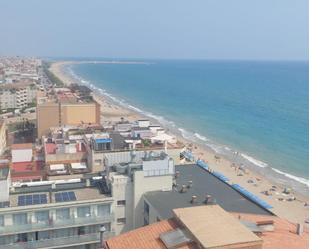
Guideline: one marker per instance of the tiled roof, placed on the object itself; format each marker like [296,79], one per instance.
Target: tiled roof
[21,146]
[146,237]
[284,235]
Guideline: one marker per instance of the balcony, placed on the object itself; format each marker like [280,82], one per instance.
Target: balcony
[60,242]
[56,224]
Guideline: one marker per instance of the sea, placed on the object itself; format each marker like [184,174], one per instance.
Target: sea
[255,113]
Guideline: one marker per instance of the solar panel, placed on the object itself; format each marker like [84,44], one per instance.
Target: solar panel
[72,196]
[25,200]
[4,204]
[65,196]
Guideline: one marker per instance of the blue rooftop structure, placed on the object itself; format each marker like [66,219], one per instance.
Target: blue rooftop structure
[202,164]
[251,196]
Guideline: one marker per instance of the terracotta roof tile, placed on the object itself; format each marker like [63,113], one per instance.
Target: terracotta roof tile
[21,146]
[284,235]
[146,237]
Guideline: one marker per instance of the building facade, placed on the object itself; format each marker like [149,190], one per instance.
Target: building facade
[55,216]
[56,114]
[17,95]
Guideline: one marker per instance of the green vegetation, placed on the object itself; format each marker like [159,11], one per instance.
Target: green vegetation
[23,132]
[32,104]
[146,142]
[53,78]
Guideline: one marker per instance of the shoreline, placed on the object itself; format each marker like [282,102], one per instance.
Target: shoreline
[250,179]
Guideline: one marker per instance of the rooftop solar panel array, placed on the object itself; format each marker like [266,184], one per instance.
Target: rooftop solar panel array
[65,196]
[25,200]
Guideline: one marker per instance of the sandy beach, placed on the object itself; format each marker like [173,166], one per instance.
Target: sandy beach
[289,206]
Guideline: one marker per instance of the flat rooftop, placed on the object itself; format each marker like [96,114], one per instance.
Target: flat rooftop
[203,183]
[213,227]
[79,190]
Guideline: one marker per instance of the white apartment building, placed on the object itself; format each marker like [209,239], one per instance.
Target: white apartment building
[17,95]
[55,215]
[69,213]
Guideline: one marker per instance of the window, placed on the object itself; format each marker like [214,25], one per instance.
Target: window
[20,219]
[121,202]
[81,231]
[146,208]
[42,235]
[103,210]
[83,211]
[22,237]
[41,216]
[63,214]
[121,220]
[1,220]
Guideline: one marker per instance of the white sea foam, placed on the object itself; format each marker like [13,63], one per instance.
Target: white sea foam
[293,177]
[254,161]
[184,133]
[203,138]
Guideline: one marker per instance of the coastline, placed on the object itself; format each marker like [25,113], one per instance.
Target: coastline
[112,111]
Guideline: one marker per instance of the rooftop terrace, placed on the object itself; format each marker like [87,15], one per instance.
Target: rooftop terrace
[56,191]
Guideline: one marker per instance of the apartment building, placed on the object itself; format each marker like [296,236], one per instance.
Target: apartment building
[68,213]
[66,109]
[17,95]
[57,214]
[3,136]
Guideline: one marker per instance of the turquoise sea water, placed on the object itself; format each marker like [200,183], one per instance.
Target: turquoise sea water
[260,109]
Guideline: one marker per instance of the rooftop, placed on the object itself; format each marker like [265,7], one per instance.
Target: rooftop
[50,190]
[146,237]
[284,233]
[21,146]
[203,183]
[213,227]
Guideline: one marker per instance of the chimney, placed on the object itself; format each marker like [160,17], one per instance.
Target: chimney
[299,229]
[207,199]
[189,184]
[183,189]
[193,199]
[177,174]
[266,225]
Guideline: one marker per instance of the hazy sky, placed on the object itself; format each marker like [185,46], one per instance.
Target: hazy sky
[204,29]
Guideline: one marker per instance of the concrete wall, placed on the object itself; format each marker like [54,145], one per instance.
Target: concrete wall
[122,189]
[65,157]
[55,114]
[2,137]
[47,116]
[145,184]
[74,114]
[5,189]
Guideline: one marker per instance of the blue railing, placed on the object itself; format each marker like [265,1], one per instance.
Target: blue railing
[251,196]
[202,164]
[220,176]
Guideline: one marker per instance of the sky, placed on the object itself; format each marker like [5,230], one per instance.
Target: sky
[167,29]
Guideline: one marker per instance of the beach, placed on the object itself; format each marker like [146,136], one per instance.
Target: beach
[284,205]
